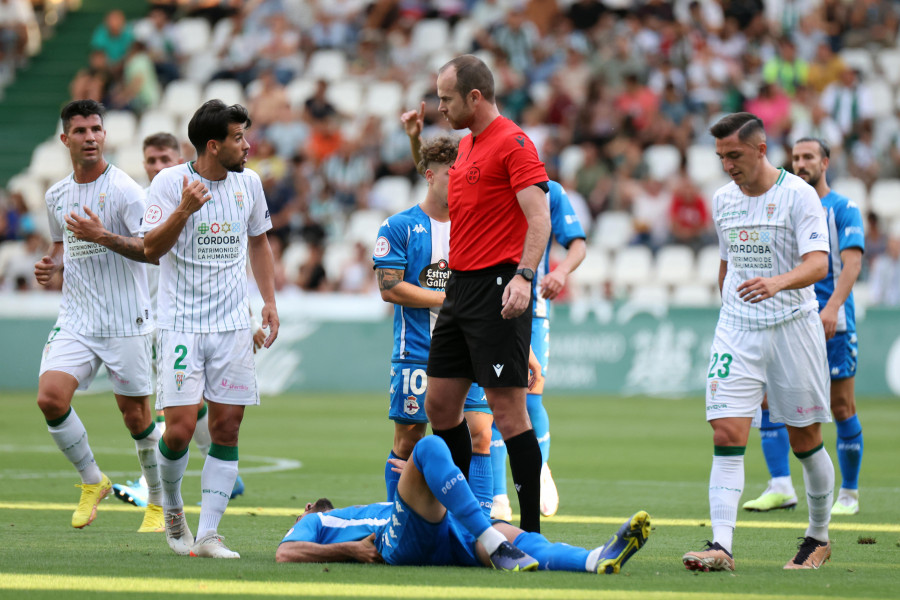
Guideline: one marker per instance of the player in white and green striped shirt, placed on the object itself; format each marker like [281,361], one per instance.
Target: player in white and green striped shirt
[773,241]
[201,219]
[105,317]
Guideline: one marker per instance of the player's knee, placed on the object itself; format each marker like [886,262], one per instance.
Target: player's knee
[404,444]
[136,422]
[481,441]
[52,403]
[177,436]
[843,407]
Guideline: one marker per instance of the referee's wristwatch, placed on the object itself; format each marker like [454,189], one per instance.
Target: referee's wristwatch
[526,273]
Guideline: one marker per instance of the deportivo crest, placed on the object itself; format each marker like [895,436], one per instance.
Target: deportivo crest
[101,200]
[770,210]
[239,199]
[179,379]
[411,405]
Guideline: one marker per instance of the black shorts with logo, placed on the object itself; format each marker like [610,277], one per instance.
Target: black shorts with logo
[471,340]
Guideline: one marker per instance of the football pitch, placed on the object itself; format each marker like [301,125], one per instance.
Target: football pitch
[610,457]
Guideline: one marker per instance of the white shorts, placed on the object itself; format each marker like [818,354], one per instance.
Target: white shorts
[215,366]
[787,361]
[127,360]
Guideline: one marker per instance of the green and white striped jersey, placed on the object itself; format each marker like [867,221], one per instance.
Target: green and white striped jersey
[764,236]
[203,278]
[104,294]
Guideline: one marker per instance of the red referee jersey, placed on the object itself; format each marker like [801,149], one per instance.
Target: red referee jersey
[487,224]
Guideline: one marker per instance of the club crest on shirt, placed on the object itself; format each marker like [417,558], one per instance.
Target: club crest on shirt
[713,387]
[473,175]
[101,200]
[411,405]
[770,210]
[179,379]
[239,199]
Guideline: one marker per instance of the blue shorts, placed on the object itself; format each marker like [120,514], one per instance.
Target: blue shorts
[842,351]
[408,385]
[540,342]
[411,540]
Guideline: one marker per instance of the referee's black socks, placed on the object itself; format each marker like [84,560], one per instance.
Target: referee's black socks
[525,466]
[459,440]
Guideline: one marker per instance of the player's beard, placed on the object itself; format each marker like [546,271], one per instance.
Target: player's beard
[813,181]
[235,167]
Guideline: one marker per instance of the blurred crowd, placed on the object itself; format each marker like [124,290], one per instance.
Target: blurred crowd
[600,87]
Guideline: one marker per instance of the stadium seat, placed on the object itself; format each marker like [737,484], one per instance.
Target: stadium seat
[854,189]
[776,155]
[121,127]
[675,264]
[632,266]
[299,90]
[337,254]
[193,34]
[346,95]
[592,274]
[859,59]
[662,160]
[229,91]
[416,90]
[155,121]
[131,160]
[464,35]
[330,65]
[439,58]
[693,295]
[202,66]
[702,164]
[181,98]
[429,36]
[391,194]
[384,99]
[888,60]
[882,97]
[292,257]
[709,188]
[612,230]
[885,198]
[570,160]
[708,261]
[649,295]
[50,161]
[32,191]
[363,225]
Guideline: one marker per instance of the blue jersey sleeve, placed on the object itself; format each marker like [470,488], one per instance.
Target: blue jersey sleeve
[849,224]
[391,245]
[563,222]
[307,529]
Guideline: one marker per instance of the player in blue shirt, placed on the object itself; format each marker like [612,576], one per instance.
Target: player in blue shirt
[411,265]
[567,231]
[835,295]
[435,520]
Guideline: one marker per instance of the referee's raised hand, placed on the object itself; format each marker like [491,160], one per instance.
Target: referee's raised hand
[193,195]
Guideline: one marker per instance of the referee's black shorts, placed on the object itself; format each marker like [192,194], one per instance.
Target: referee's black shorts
[471,340]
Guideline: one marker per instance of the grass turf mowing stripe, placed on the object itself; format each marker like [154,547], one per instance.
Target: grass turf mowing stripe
[198,587]
[570,519]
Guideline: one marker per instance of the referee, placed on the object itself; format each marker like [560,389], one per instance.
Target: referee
[500,227]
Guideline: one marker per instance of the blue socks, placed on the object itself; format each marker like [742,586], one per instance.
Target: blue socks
[776,446]
[498,462]
[432,458]
[552,557]
[390,477]
[849,451]
[540,422]
[481,481]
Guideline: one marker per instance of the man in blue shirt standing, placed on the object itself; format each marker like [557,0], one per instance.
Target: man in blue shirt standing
[836,308]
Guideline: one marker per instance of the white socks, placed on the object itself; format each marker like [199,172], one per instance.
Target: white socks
[147,455]
[216,483]
[818,475]
[171,473]
[201,435]
[491,539]
[72,439]
[726,483]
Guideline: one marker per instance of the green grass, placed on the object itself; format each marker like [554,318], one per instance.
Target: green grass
[610,457]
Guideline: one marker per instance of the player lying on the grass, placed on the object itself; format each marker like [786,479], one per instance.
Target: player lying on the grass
[436,520]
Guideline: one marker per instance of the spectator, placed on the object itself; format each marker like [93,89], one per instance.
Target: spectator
[847,101]
[20,261]
[15,17]
[158,34]
[279,47]
[650,206]
[876,242]
[94,81]
[140,89]
[270,104]
[18,220]
[864,161]
[689,216]
[114,38]
[517,37]
[884,280]
[312,276]
[357,275]
[826,68]
[773,106]
[786,69]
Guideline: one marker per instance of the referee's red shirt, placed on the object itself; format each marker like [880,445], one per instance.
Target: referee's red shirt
[487,225]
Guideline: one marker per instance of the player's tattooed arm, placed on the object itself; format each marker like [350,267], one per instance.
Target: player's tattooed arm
[91,229]
[388,279]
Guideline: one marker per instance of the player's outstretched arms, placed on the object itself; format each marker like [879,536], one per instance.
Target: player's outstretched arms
[362,551]
[813,268]
[45,268]
[160,240]
[396,291]
[91,229]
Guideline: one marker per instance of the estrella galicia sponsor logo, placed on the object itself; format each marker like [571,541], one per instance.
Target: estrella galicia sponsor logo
[473,175]
[435,275]
[179,379]
[770,210]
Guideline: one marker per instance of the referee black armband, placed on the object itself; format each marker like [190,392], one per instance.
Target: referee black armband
[544,185]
